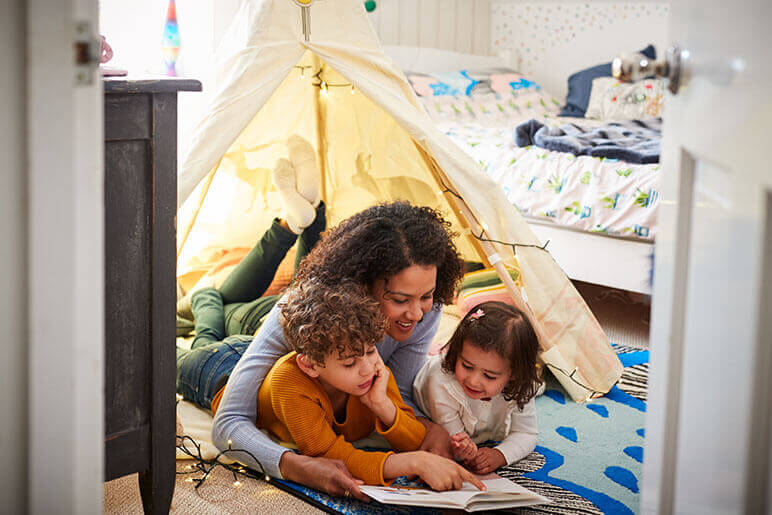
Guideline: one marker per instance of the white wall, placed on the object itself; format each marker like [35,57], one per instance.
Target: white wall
[13,257]
[555,39]
[134,30]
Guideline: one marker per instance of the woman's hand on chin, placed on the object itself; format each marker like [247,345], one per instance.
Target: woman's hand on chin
[325,474]
[437,440]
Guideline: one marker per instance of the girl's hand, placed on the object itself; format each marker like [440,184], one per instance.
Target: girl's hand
[376,399]
[443,474]
[464,448]
[486,461]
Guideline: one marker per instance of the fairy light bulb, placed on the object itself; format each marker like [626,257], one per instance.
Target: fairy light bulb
[236,484]
[230,442]
[323,85]
[352,89]
[302,72]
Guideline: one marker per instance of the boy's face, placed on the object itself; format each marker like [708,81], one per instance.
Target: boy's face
[352,375]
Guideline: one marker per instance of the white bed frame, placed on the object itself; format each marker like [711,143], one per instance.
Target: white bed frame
[594,258]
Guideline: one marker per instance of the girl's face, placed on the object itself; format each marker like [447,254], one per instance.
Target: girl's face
[482,374]
[405,298]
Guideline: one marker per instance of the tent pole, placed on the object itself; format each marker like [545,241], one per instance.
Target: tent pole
[321,137]
[460,205]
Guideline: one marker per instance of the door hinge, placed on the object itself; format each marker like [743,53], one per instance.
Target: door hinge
[88,49]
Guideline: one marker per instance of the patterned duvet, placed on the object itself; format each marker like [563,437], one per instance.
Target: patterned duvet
[479,110]
[588,193]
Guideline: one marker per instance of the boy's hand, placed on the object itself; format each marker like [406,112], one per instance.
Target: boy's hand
[464,448]
[443,474]
[486,461]
[376,399]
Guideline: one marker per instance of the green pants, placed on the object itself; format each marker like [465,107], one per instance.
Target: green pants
[241,307]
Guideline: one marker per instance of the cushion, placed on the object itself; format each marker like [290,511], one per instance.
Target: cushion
[580,85]
[483,286]
[490,95]
[614,100]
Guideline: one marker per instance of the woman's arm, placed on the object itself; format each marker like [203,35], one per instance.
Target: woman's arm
[234,423]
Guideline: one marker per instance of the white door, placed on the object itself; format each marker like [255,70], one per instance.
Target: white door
[708,426]
[65,142]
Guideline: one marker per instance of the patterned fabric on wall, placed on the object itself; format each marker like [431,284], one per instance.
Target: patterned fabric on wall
[565,37]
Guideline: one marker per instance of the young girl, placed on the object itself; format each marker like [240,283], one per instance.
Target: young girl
[483,387]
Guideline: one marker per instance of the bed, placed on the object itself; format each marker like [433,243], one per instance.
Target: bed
[598,214]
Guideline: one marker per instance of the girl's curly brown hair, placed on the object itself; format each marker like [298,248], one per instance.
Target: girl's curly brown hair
[318,319]
[382,240]
[505,330]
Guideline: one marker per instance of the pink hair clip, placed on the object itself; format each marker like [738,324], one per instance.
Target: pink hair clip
[477,314]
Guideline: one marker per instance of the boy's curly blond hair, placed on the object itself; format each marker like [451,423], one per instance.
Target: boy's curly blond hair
[318,320]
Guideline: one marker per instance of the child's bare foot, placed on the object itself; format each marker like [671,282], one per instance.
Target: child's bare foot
[303,158]
[298,212]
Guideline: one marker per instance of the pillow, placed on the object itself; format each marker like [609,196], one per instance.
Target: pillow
[483,286]
[491,95]
[580,84]
[614,100]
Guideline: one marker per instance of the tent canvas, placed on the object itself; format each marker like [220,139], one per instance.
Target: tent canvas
[374,143]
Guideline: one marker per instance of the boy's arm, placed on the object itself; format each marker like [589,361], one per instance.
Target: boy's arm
[297,406]
[521,440]
[406,433]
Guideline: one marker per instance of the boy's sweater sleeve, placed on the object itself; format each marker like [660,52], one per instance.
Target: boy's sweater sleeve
[297,404]
[521,440]
[406,433]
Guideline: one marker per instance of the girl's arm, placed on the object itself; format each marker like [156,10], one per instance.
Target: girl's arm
[521,440]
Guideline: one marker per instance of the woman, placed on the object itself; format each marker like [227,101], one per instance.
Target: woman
[404,255]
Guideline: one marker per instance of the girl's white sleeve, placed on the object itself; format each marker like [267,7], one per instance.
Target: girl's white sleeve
[521,440]
[441,407]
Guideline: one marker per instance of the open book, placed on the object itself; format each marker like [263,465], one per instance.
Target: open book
[501,493]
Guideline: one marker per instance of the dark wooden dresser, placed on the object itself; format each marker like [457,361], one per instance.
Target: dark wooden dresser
[140,289]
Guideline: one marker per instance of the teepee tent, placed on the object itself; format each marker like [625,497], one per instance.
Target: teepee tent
[335,87]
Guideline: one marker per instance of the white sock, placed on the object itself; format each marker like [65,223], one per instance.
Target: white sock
[298,212]
[303,157]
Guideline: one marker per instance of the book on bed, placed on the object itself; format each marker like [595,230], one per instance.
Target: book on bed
[502,493]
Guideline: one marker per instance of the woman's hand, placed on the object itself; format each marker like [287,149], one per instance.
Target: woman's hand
[486,461]
[441,473]
[464,448]
[376,399]
[328,475]
[437,440]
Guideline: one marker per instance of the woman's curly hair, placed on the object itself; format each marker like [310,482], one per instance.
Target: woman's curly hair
[318,319]
[382,240]
[504,329]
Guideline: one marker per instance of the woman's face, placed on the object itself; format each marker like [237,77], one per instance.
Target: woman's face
[405,298]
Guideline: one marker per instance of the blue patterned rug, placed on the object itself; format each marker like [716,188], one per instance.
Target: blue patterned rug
[588,459]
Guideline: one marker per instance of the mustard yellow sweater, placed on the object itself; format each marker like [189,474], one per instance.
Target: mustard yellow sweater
[295,407]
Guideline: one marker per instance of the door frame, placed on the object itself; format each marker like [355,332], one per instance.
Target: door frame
[65,176]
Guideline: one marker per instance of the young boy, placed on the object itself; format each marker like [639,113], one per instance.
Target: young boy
[334,389]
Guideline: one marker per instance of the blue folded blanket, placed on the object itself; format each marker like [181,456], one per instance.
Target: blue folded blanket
[634,141]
